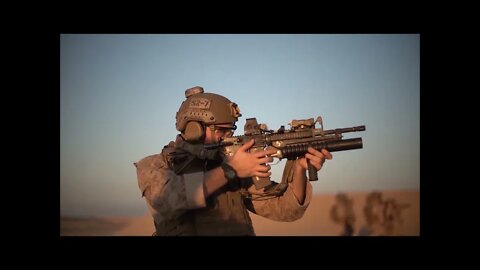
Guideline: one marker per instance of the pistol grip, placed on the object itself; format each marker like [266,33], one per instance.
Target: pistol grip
[260,182]
[312,172]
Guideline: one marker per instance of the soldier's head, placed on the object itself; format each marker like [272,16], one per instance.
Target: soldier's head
[206,117]
[341,197]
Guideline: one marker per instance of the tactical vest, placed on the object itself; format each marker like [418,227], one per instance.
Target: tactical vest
[225,213]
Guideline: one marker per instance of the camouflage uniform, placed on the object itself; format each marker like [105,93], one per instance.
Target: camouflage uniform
[179,207]
[177,201]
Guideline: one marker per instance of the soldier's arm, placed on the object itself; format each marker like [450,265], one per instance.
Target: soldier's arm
[163,190]
[295,200]
[213,180]
[286,207]
[316,158]
[167,194]
[170,195]
[283,208]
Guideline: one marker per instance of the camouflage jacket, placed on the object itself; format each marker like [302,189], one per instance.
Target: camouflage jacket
[179,207]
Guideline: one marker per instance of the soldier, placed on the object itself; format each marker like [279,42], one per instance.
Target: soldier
[392,216]
[191,191]
[373,211]
[342,213]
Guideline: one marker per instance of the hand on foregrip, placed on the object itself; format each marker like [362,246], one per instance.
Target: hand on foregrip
[315,158]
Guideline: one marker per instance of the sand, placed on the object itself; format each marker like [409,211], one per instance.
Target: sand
[317,220]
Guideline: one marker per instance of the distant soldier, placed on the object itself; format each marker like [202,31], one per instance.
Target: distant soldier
[374,215]
[392,216]
[342,212]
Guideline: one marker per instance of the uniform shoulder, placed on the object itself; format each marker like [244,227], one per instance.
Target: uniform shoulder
[151,160]
[150,169]
[156,160]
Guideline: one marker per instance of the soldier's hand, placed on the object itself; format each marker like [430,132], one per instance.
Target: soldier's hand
[248,164]
[317,158]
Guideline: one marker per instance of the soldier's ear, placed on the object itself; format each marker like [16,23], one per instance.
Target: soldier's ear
[194,132]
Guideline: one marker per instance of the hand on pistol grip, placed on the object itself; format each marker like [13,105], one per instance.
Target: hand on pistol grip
[261,182]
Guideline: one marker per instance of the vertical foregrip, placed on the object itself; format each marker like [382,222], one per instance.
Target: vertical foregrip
[312,172]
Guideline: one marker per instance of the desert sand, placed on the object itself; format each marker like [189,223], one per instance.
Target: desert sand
[317,221]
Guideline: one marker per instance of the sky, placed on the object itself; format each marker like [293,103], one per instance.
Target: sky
[119,95]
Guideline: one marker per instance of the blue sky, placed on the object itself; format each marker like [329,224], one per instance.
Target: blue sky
[119,95]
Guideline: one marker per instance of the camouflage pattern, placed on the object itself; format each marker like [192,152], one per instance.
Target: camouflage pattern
[226,211]
[282,208]
[161,187]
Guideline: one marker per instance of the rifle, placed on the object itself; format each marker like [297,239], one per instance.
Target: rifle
[290,144]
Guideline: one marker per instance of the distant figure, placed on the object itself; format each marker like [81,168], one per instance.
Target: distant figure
[383,217]
[342,212]
[392,216]
[374,215]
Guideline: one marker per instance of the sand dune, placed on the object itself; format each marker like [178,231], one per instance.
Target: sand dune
[317,220]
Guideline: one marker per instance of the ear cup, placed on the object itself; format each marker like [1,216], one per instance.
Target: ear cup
[194,132]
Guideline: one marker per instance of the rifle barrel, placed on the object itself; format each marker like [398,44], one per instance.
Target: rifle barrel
[344,130]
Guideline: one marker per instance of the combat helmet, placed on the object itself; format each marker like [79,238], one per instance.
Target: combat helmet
[202,109]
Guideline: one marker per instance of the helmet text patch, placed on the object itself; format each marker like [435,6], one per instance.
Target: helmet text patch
[199,103]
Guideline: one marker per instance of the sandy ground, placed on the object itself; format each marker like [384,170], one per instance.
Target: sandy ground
[317,220]
[107,226]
